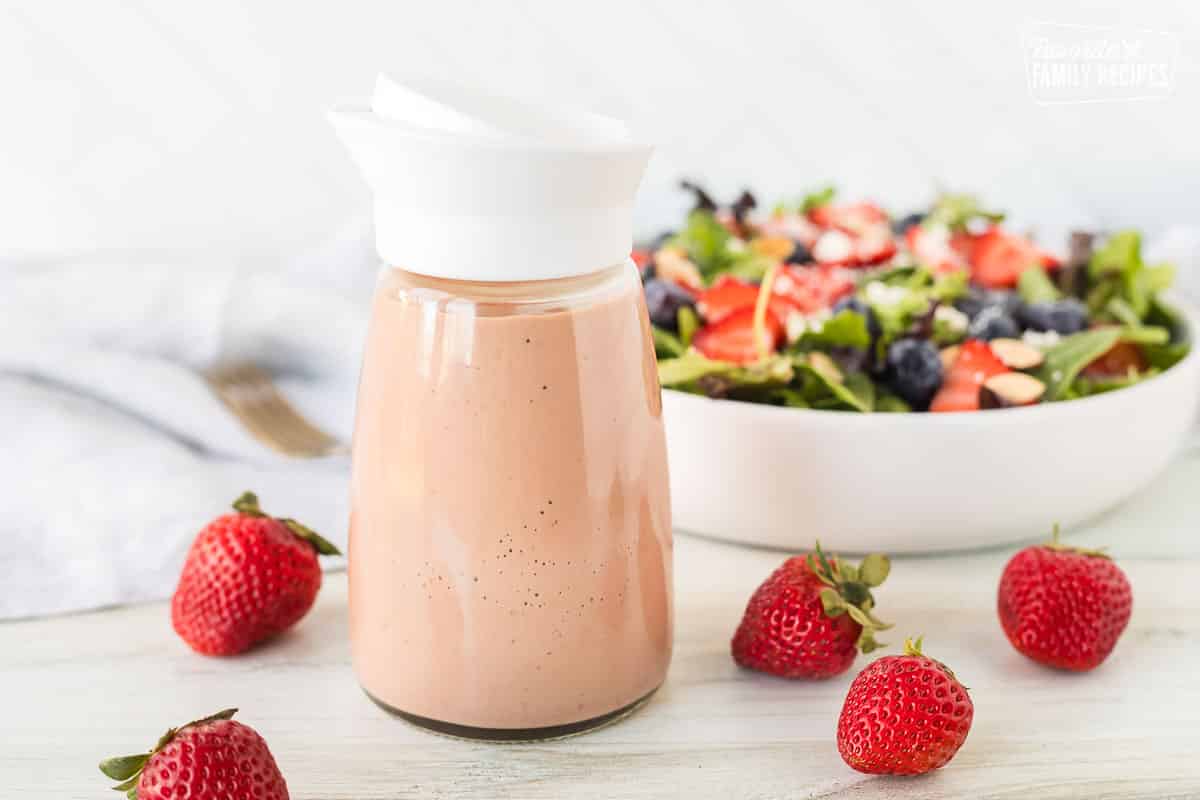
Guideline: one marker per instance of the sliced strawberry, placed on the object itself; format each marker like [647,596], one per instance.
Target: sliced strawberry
[998,258]
[853,218]
[874,246]
[1117,362]
[729,294]
[732,339]
[811,288]
[960,387]
[935,248]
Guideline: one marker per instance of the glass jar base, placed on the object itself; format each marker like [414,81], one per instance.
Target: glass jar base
[514,735]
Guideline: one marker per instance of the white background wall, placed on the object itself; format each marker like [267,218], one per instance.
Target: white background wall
[182,124]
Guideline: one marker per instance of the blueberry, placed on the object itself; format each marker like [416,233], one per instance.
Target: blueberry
[852,303]
[914,370]
[801,255]
[993,323]
[901,226]
[1063,316]
[976,300]
[663,301]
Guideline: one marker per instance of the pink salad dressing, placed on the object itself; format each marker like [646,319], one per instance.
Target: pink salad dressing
[510,539]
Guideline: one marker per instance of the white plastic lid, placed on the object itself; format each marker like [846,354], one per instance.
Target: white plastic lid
[476,187]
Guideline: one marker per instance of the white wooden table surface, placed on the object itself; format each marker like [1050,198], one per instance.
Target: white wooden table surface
[82,687]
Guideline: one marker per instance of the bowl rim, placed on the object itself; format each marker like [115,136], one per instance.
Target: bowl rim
[1043,411]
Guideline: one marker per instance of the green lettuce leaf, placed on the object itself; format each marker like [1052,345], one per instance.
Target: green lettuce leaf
[1064,360]
[1117,273]
[814,200]
[888,403]
[822,391]
[1085,386]
[1035,286]
[687,367]
[1165,356]
[688,323]
[706,241]
[666,345]
[844,329]
[955,211]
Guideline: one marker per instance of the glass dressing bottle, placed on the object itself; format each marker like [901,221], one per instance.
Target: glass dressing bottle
[510,540]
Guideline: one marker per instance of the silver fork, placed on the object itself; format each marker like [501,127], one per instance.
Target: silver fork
[248,392]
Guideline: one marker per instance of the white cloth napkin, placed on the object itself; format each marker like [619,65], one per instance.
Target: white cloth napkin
[117,453]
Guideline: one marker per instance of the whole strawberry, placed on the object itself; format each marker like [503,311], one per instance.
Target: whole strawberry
[213,758]
[903,715]
[247,577]
[1062,606]
[811,617]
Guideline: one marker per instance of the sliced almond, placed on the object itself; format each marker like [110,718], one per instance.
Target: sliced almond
[826,366]
[776,248]
[1010,389]
[672,264]
[948,354]
[1016,354]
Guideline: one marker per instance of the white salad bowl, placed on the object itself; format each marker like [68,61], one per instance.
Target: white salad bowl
[907,483]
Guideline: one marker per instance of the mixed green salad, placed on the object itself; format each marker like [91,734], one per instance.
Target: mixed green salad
[840,306]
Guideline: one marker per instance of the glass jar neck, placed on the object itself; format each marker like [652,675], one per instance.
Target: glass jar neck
[508,297]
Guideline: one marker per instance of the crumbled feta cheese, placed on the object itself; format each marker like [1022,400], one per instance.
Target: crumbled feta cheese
[735,245]
[952,318]
[833,246]
[880,294]
[799,323]
[1040,339]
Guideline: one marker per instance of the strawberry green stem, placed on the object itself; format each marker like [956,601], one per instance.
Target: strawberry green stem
[1057,546]
[247,504]
[128,769]
[848,591]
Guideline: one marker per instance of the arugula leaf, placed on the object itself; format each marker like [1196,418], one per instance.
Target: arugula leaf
[1035,286]
[861,386]
[1085,386]
[1169,317]
[1165,356]
[1121,311]
[1145,334]
[1064,360]
[688,323]
[666,345]
[688,367]
[814,200]
[692,372]
[821,391]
